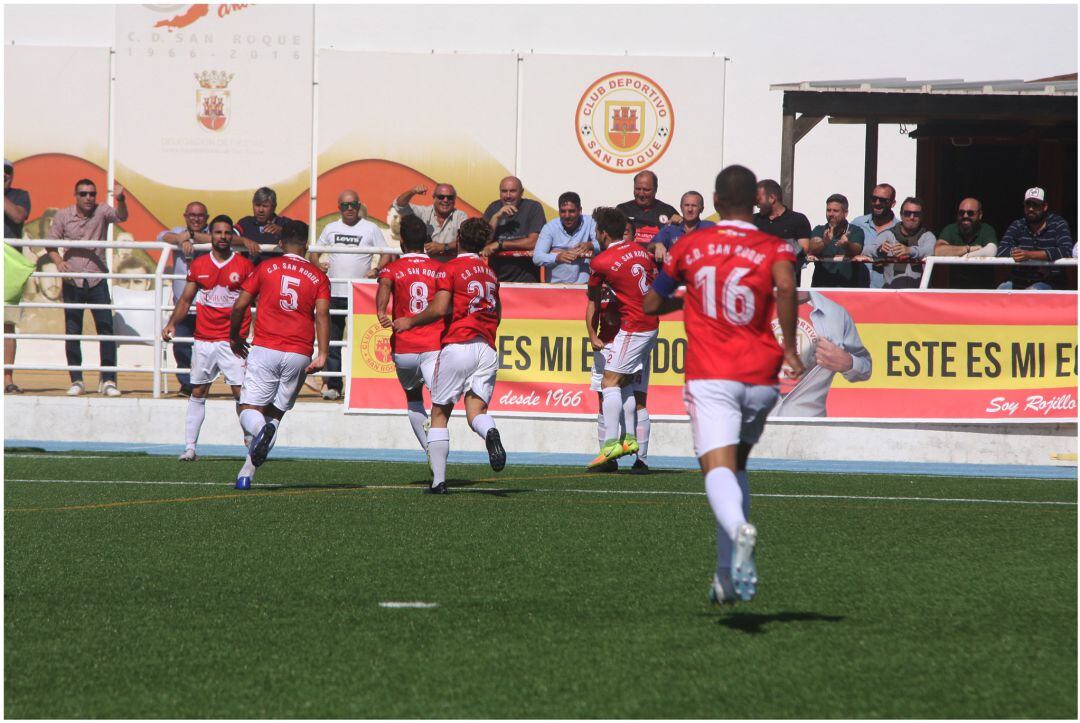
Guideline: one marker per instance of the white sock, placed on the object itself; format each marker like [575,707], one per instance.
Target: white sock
[744,485]
[417,417]
[248,470]
[252,421]
[629,411]
[439,449]
[600,428]
[644,429]
[196,413]
[725,498]
[612,411]
[482,424]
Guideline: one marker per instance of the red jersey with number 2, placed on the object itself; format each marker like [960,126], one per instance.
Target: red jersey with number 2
[413,278]
[287,288]
[628,270]
[475,290]
[729,303]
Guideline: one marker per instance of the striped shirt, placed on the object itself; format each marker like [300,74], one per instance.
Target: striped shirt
[1054,238]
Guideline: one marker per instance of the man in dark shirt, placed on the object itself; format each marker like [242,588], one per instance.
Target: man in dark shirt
[1038,236]
[773,217]
[515,225]
[647,214]
[263,226]
[16,211]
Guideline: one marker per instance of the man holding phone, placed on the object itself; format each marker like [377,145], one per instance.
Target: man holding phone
[834,245]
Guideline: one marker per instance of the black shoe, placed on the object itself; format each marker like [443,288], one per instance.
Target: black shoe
[439,489]
[639,468]
[260,446]
[185,390]
[496,453]
[609,467]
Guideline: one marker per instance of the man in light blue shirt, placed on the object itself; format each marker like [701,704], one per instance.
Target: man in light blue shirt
[691,205]
[566,243]
[880,219]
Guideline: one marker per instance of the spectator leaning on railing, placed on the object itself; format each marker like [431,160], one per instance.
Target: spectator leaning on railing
[87,220]
[349,231]
[691,205]
[1038,236]
[837,239]
[194,231]
[645,211]
[263,226]
[16,211]
[442,218]
[968,237]
[515,226]
[909,241]
[566,243]
[880,219]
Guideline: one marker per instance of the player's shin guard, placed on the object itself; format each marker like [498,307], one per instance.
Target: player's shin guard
[196,413]
[439,449]
[482,424]
[612,409]
[644,429]
[629,411]
[417,417]
[725,498]
[744,485]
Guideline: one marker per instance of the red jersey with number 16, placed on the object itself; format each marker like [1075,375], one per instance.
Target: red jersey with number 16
[729,303]
[628,270]
[287,288]
[475,290]
[413,278]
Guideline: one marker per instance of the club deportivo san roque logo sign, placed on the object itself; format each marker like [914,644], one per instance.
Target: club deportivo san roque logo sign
[624,122]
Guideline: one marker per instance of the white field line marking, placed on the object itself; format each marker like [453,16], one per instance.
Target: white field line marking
[59,456]
[415,605]
[672,493]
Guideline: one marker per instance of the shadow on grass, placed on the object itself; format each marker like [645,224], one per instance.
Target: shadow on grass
[754,623]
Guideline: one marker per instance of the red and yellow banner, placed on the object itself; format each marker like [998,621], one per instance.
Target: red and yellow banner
[935,355]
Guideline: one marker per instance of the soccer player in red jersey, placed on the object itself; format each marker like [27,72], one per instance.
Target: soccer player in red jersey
[410,280]
[292,293]
[733,360]
[627,270]
[467,298]
[213,283]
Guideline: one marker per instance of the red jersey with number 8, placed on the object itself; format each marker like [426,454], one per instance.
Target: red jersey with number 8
[475,290]
[729,303]
[413,278]
[628,270]
[287,288]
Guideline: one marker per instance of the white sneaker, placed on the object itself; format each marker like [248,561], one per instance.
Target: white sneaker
[188,455]
[77,389]
[743,569]
[331,394]
[109,389]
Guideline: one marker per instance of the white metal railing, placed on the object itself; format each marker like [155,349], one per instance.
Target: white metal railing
[928,263]
[161,307]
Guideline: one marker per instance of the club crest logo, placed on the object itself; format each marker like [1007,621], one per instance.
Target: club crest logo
[624,122]
[234,278]
[375,349]
[212,104]
[806,338]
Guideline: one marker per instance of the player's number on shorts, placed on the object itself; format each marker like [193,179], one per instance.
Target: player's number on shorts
[483,296]
[418,297]
[738,301]
[290,300]
[638,271]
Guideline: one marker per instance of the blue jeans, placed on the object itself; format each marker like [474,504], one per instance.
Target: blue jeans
[103,323]
[182,352]
[1035,286]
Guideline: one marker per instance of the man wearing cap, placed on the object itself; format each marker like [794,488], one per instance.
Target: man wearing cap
[1038,236]
[16,211]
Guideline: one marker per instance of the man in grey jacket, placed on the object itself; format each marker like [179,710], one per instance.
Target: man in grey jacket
[908,241]
[828,344]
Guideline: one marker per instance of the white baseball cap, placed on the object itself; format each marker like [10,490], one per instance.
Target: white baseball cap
[1036,194]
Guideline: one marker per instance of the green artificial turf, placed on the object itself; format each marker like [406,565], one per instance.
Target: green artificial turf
[560,594]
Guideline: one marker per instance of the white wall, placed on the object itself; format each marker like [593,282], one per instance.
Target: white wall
[766,44]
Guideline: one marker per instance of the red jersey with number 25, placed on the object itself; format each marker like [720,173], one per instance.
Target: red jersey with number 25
[475,290]
[287,288]
[413,278]
[729,303]
[628,270]
[219,286]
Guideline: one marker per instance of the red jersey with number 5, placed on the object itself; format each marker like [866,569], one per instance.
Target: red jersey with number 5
[287,288]
[628,270]
[413,278]
[219,286]
[729,303]
[475,290]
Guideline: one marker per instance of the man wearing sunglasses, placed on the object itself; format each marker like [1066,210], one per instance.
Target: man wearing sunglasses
[87,220]
[1038,236]
[349,231]
[442,218]
[906,242]
[969,236]
[880,219]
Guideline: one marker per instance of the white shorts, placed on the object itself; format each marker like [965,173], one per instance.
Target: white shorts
[416,369]
[211,358]
[640,380]
[628,351]
[462,368]
[724,413]
[273,377]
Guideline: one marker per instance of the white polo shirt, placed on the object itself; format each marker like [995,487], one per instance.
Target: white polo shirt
[351,266]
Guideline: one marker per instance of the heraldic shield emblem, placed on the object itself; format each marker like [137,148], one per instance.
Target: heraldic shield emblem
[212,104]
[624,119]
